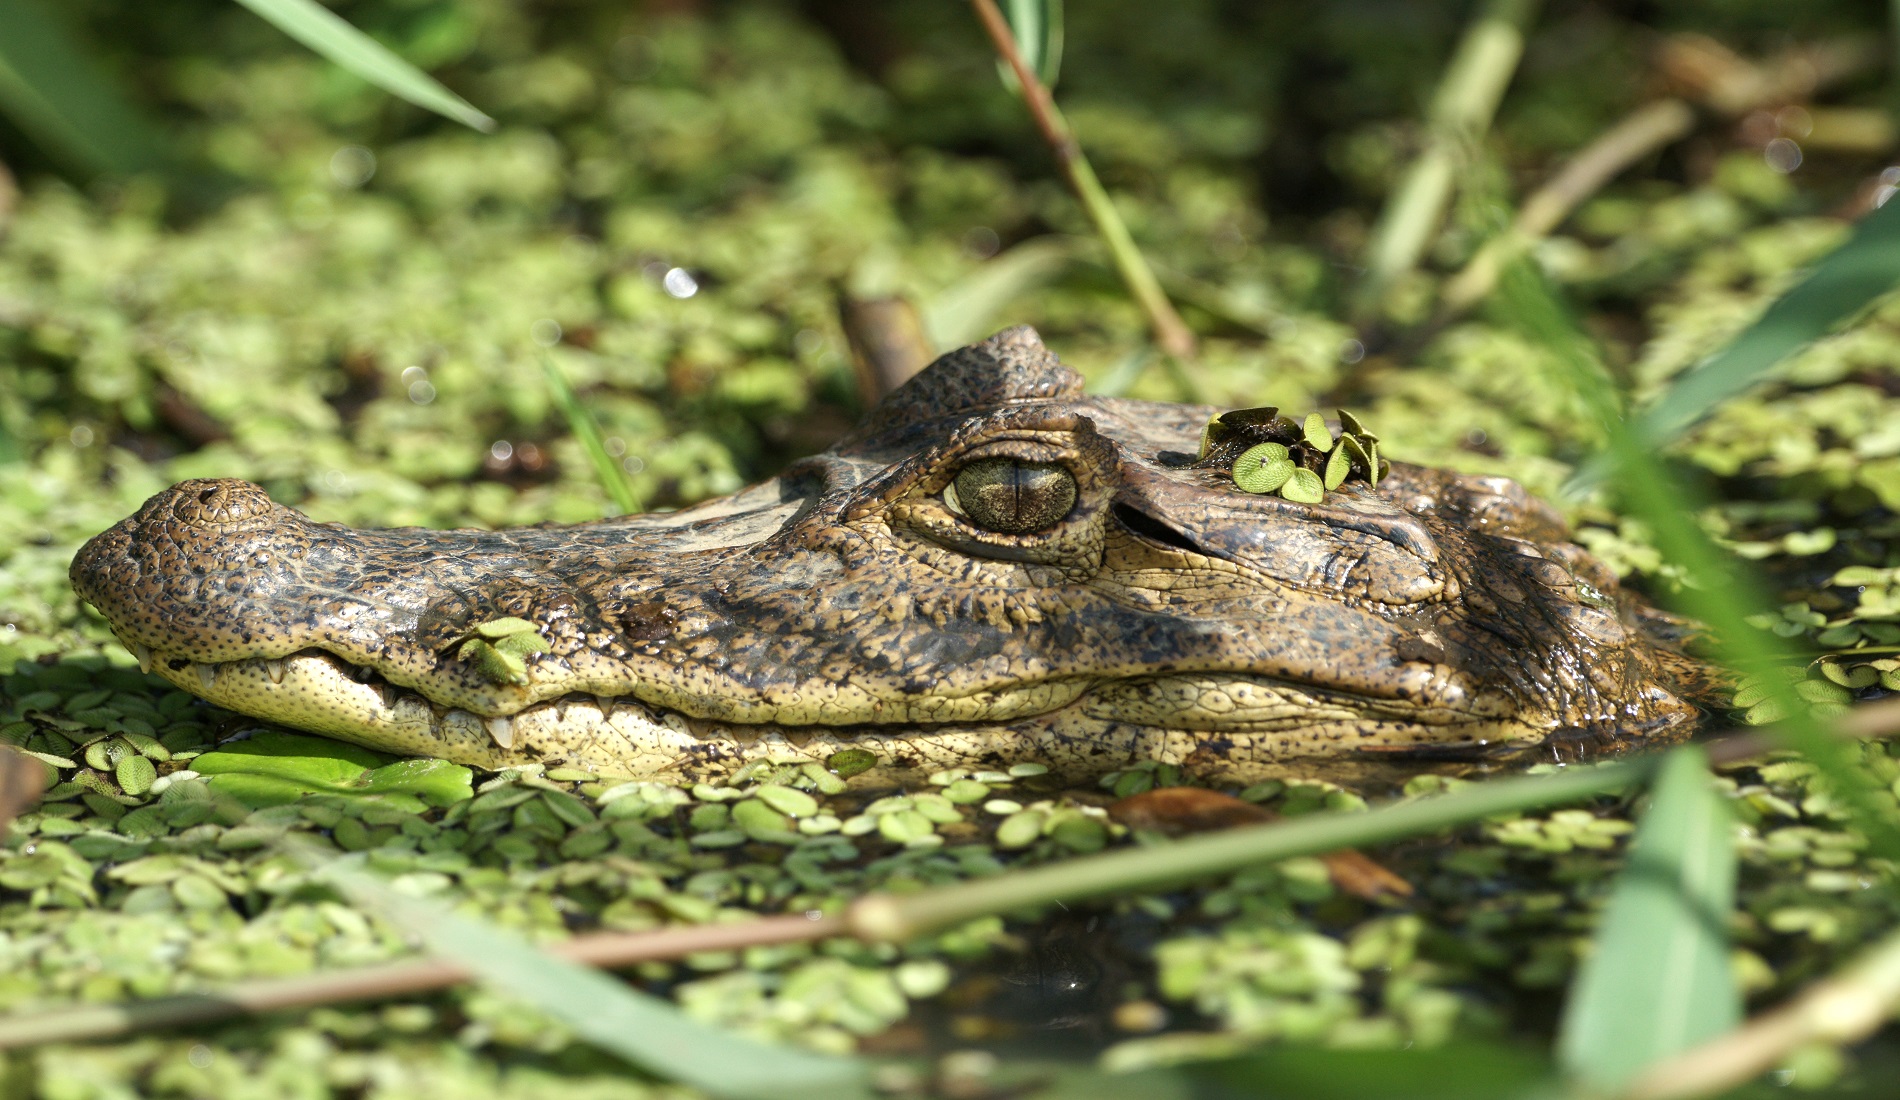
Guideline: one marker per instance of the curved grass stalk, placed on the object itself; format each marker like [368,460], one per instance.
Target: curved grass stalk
[1461,112]
[1170,332]
[1721,592]
[328,34]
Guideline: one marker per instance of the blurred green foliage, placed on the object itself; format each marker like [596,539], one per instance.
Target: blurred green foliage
[348,301]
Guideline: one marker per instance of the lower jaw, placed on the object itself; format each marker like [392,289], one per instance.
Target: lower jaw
[623,737]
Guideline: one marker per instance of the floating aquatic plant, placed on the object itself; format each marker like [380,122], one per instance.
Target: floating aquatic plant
[499,648]
[1270,453]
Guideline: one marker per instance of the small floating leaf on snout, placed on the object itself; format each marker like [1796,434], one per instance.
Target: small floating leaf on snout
[1316,432]
[1349,425]
[1263,468]
[1263,417]
[849,762]
[520,645]
[1338,465]
[497,647]
[498,666]
[1304,487]
[504,627]
[1207,436]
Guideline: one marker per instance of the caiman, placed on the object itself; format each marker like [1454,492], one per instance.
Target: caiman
[993,567]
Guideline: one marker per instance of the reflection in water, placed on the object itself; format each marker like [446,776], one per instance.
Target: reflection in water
[1062,993]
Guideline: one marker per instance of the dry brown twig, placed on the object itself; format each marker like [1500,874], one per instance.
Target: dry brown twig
[1703,71]
[1643,132]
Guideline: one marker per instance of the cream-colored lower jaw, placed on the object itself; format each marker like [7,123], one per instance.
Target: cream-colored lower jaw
[315,692]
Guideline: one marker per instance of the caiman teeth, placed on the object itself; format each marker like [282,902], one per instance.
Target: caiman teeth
[502,730]
[606,705]
[207,675]
[144,654]
[274,666]
[390,695]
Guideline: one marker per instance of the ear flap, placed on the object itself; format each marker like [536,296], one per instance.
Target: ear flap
[1009,366]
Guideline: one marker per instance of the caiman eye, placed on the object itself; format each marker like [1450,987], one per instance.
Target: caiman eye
[1012,497]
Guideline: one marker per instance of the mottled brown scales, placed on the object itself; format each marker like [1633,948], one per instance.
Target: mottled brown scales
[857,601]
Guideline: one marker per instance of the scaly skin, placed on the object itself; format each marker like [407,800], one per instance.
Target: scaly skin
[846,604]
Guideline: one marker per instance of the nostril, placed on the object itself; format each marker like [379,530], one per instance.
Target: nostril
[223,503]
[1148,527]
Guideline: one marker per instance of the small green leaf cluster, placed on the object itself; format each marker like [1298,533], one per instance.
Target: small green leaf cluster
[500,647]
[1269,453]
[1071,827]
[1827,696]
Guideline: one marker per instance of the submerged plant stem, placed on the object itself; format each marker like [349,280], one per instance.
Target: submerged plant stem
[899,917]
[1170,332]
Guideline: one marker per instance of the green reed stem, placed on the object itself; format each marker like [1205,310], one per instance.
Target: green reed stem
[894,917]
[1461,112]
[613,477]
[1170,332]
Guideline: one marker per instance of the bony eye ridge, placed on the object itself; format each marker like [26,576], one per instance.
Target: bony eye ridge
[1010,496]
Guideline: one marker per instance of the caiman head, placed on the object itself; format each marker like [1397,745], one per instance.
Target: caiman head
[992,568]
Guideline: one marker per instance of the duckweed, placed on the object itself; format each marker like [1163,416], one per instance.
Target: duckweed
[773,171]
[1300,462]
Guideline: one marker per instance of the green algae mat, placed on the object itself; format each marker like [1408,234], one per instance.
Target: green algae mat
[349,303]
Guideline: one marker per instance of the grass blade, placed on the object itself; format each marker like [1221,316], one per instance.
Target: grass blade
[613,477]
[1037,25]
[1841,285]
[1843,1008]
[54,91]
[644,1030]
[964,311]
[1721,593]
[330,35]
[1659,981]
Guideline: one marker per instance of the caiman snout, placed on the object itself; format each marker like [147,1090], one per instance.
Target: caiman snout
[886,595]
[214,503]
[186,564]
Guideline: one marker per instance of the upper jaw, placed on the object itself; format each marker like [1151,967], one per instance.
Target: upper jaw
[1355,547]
[730,631]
